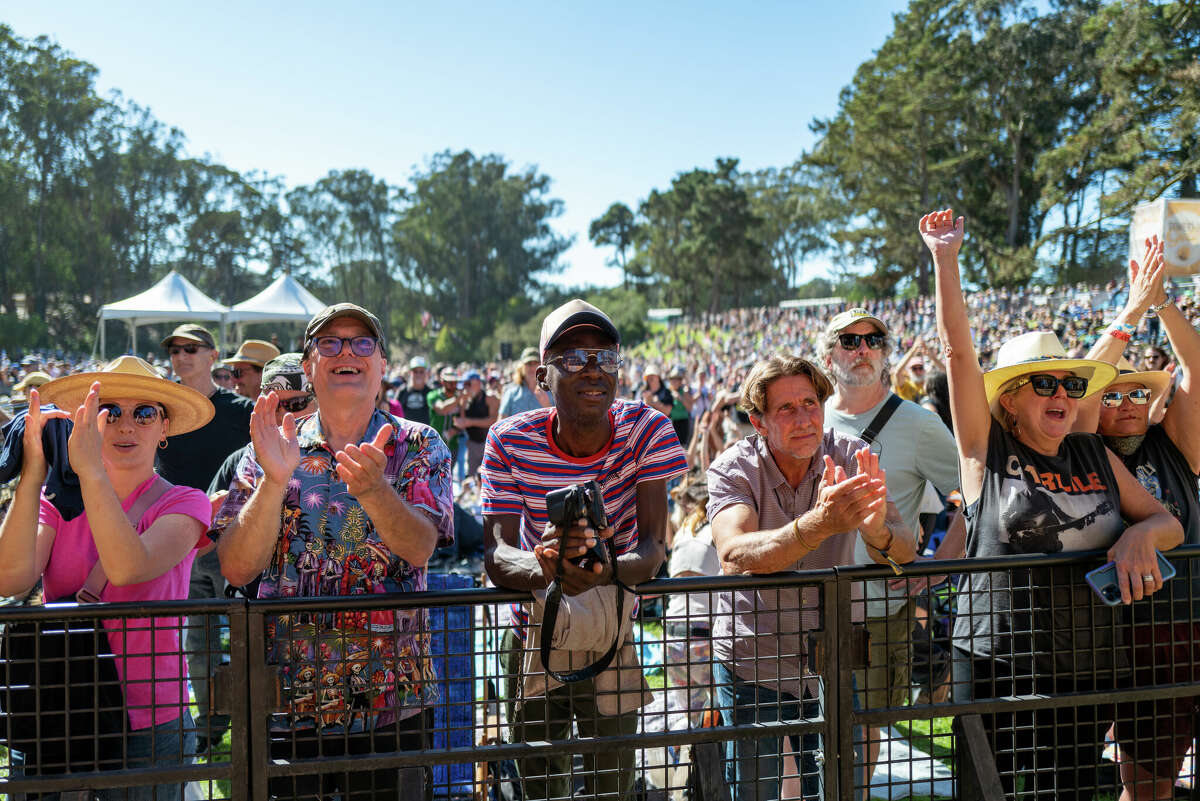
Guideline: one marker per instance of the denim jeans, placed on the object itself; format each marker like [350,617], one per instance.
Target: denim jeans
[166,745]
[753,767]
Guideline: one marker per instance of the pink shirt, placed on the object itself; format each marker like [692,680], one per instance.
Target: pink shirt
[150,661]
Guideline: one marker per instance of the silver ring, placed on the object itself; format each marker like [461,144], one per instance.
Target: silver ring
[1148,578]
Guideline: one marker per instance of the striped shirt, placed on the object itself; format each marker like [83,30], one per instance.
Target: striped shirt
[522,462]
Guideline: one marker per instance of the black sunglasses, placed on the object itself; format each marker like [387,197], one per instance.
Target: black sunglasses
[191,348]
[144,414]
[1138,397]
[574,360]
[296,404]
[237,372]
[332,346]
[1047,385]
[852,341]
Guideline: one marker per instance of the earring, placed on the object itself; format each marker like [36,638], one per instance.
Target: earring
[162,444]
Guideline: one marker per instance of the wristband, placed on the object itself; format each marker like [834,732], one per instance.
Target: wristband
[1115,333]
[1125,328]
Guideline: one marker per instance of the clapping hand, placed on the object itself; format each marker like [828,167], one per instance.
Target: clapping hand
[361,466]
[33,461]
[848,503]
[941,232]
[85,446]
[277,448]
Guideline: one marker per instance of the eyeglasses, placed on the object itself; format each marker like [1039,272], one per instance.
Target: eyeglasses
[222,375]
[332,346]
[1047,385]
[1138,397]
[190,349]
[238,372]
[574,360]
[144,414]
[296,404]
[852,341]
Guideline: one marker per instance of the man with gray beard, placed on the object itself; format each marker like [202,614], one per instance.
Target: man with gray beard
[914,447]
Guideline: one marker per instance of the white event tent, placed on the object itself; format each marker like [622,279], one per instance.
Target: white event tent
[172,298]
[285,300]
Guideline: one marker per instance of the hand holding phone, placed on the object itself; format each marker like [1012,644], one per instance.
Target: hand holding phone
[1103,580]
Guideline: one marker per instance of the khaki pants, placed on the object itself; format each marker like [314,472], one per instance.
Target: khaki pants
[887,682]
[607,775]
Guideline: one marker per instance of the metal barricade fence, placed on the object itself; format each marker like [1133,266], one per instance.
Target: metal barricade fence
[778,696]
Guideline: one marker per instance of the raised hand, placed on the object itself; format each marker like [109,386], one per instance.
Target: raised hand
[85,446]
[33,459]
[942,234]
[277,448]
[1146,280]
[361,466]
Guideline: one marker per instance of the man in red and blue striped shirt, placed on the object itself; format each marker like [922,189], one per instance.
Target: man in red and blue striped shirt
[631,450]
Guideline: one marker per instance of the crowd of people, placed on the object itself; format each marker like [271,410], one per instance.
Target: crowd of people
[751,442]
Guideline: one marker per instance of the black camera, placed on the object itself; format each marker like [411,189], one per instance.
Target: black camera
[569,504]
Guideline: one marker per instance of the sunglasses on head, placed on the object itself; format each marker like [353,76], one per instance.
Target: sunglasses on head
[1046,385]
[1138,397]
[296,404]
[144,414]
[332,346]
[238,372]
[190,348]
[852,341]
[574,360]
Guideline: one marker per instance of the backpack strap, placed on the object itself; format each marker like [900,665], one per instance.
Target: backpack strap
[89,593]
[881,417]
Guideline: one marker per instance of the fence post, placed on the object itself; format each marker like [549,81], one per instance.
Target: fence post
[978,778]
[706,779]
[237,695]
[261,691]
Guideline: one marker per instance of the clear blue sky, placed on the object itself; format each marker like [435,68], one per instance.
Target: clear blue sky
[609,99]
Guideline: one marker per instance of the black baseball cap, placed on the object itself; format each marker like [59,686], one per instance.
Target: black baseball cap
[575,314]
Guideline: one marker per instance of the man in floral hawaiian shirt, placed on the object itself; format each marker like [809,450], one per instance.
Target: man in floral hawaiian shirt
[350,501]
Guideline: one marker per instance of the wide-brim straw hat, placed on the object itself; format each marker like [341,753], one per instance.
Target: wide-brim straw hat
[253,351]
[130,377]
[1157,381]
[1041,352]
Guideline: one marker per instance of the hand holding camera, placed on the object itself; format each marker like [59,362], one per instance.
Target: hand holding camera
[572,547]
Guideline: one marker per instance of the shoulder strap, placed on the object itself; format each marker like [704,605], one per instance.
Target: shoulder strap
[89,593]
[881,417]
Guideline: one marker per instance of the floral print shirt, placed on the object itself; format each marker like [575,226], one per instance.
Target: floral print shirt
[351,670]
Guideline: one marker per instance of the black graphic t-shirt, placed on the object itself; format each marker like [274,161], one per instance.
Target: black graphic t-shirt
[415,403]
[1161,468]
[1037,504]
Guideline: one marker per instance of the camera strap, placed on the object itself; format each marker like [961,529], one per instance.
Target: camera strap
[550,618]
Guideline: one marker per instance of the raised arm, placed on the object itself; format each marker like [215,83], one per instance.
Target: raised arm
[1145,289]
[1183,415]
[943,235]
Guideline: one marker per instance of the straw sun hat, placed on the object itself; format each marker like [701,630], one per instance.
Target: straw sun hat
[1040,352]
[130,377]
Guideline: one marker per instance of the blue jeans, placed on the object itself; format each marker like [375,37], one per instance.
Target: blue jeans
[166,745]
[753,767]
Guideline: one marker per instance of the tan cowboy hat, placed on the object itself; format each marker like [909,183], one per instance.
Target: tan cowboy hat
[1040,352]
[253,351]
[35,379]
[1157,381]
[130,377]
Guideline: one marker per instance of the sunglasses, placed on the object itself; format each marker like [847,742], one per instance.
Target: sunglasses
[238,372]
[852,341]
[574,360]
[332,346]
[190,349]
[296,404]
[222,375]
[144,414]
[1138,397]
[1047,385]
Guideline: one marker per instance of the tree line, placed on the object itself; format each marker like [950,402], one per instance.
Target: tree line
[1046,125]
